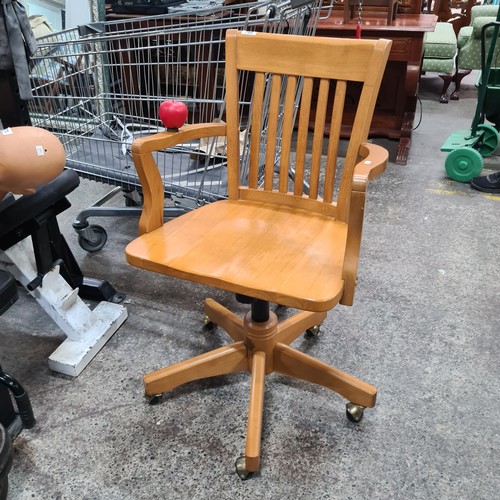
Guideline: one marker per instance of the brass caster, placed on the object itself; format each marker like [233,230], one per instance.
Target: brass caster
[208,324]
[354,412]
[313,331]
[241,470]
[154,399]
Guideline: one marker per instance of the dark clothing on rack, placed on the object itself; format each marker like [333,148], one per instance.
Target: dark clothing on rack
[17,44]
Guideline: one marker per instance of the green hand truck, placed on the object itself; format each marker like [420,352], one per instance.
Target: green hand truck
[468,147]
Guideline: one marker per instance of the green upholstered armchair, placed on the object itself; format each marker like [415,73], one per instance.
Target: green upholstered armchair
[469,44]
[440,47]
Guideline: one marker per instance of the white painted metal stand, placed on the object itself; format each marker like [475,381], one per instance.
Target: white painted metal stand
[87,330]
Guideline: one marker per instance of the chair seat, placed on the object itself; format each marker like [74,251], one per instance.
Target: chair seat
[280,252]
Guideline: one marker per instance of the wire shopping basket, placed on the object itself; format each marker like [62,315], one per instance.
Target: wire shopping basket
[98,88]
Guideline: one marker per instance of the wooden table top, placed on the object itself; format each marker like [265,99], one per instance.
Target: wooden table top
[378,22]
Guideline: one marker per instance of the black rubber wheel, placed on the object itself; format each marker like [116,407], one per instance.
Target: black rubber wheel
[4,488]
[130,202]
[312,332]
[208,324]
[94,246]
[154,400]
[6,457]
[354,413]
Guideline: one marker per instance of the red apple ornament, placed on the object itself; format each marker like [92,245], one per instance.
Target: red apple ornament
[173,114]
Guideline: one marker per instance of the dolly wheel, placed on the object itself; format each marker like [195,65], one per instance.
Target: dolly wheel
[489,139]
[463,164]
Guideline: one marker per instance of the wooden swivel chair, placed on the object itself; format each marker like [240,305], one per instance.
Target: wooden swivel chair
[270,241]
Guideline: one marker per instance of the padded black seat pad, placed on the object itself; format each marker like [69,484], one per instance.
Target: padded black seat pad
[50,196]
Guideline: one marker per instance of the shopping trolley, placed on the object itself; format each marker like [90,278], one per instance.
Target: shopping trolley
[98,87]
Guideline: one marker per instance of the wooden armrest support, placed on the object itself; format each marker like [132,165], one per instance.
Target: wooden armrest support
[147,170]
[373,163]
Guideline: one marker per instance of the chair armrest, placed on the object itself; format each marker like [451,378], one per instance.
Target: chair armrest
[477,26]
[464,36]
[164,140]
[149,175]
[373,162]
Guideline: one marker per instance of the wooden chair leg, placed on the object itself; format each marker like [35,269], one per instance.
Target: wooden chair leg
[293,363]
[255,410]
[262,350]
[457,78]
[228,359]
[446,77]
[227,320]
[290,328]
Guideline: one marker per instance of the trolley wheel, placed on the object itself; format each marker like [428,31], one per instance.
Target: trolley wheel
[100,239]
[354,412]
[463,164]
[489,139]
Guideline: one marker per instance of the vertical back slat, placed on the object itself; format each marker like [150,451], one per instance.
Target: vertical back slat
[305,107]
[278,69]
[232,119]
[334,137]
[319,132]
[257,106]
[286,138]
[273,114]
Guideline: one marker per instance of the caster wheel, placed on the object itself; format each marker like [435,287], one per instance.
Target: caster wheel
[133,199]
[99,240]
[463,164]
[208,324]
[154,400]
[313,331]
[489,139]
[131,203]
[354,412]
[241,470]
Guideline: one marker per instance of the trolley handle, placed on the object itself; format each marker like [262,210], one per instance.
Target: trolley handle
[295,4]
[275,9]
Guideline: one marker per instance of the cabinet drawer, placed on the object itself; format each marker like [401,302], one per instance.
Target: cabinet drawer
[401,47]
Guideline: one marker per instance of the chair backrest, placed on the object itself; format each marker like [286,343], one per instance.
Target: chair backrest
[344,72]
[483,11]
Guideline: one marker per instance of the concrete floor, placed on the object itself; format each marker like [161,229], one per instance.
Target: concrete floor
[423,329]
